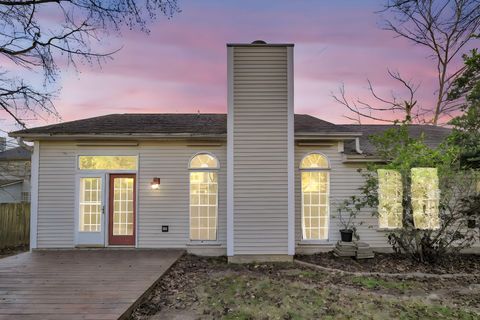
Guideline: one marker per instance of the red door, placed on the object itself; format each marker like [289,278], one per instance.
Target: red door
[121,216]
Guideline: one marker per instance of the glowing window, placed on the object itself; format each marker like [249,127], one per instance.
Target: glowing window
[203,197]
[315,197]
[107,162]
[390,193]
[203,160]
[425,198]
[90,204]
[314,161]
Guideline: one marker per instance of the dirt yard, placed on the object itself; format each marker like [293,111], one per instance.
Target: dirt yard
[391,263]
[209,288]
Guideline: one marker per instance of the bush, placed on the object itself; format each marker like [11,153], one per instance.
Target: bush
[459,199]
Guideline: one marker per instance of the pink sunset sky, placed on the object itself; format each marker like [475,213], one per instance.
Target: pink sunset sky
[181,65]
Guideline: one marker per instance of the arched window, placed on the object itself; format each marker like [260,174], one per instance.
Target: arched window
[203,197]
[315,171]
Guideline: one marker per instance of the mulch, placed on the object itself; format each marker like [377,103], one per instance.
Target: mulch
[395,263]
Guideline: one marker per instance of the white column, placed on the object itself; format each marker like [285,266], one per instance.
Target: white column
[35,162]
[230,190]
[291,155]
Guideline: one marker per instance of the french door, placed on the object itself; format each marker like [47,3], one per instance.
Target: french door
[121,218]
[90,210]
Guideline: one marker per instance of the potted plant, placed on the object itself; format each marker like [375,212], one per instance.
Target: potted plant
[347,214]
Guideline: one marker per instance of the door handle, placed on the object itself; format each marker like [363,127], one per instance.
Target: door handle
[103,209]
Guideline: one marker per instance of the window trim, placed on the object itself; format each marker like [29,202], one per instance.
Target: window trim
[327,170]
[206,170]
[203,169]
[315,169]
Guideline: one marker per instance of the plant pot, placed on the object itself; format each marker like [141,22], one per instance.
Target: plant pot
[347,235]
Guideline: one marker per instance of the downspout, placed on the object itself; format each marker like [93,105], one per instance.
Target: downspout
[357,146]
[22,144]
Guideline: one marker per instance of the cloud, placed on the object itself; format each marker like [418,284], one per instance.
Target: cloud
[181,65]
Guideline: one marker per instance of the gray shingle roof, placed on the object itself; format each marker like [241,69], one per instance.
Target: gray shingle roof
[433,135]
[216,124]
[167,123]
[17,153]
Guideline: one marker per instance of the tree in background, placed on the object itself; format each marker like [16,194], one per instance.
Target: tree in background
[43,36]
[457,161]
[445,28]
[452,231]
[466,127]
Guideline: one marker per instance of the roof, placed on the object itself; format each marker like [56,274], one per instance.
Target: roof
[434,135]
[168,123]
[17,153]
[7,182]
[215,124]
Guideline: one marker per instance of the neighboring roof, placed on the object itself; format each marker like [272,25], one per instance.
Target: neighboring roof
[17,153]
[7,182]
[168,123]
[434,135]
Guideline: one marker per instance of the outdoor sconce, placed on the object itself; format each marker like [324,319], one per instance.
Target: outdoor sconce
[155,184]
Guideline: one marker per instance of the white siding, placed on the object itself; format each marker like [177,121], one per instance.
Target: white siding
[260,169]
[345,181]
[56,195]
[170,204]
[167,206]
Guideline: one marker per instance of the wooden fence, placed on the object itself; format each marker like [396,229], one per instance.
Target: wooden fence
[14,224]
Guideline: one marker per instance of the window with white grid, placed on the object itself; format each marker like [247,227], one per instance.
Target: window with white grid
[390,195]
[90,204]
[123,206]
[25,196]
[315,197]
[425,198]
[203,197]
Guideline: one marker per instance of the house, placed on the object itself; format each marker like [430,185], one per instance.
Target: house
[257,183]
[15,175]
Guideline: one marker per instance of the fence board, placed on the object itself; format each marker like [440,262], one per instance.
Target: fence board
[14,224]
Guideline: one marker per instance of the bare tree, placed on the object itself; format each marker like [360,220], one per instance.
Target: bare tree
[42,36]
[445,28]
[387,107]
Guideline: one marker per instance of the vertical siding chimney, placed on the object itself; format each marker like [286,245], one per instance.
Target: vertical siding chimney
[260,209]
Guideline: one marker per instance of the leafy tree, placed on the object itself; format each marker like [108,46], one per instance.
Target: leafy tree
[466,127]
[400,152]
[43,36]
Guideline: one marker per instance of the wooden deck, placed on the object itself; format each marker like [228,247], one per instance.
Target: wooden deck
[78,284]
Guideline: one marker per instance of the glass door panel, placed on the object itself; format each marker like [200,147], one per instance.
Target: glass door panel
[122,209]
[90,218]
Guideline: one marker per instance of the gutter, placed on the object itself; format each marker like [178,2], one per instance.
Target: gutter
[146,136]
[87,136]
[360,158]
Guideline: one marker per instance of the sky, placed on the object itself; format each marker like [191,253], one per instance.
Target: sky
[180,66]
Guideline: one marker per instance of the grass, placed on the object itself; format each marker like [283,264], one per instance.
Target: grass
[376,283]
[247,297]
[212,289]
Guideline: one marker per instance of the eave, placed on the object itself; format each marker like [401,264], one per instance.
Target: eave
[360,158]
[172,136]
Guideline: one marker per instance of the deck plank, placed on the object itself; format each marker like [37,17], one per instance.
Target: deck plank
[78,284]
